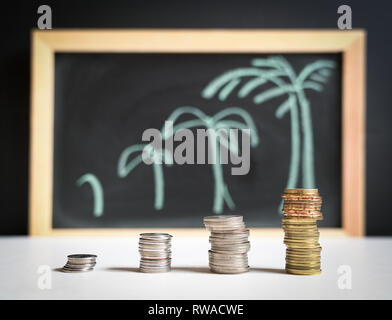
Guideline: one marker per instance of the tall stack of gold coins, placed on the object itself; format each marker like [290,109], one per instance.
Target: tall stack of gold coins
[301,209]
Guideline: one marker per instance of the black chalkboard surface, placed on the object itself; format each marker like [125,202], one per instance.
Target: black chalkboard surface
[104,102]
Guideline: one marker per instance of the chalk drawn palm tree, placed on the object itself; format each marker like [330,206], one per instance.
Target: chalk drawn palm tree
[216,137]
[157,157]
[278,71]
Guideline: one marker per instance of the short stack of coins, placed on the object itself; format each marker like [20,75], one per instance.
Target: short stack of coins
[229,244]
[155,252]
[80,263]
[301,209]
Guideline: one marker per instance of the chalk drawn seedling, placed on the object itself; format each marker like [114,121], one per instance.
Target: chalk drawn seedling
[279,72]
[97,189]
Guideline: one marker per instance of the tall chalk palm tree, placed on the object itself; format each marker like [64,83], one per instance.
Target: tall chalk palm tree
[286,82]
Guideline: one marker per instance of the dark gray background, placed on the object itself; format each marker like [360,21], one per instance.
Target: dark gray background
[19,17]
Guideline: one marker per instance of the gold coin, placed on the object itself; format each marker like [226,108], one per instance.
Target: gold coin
[301,198]
[289,201]
[303,272]
[302,235]
[301,190]
[303,267]
[303,246]
[296,229]
[314,217]
[306,268]
[306,252]
[301,232]
[296,258]
[299,221]
[303,251]
[305,240]
[303,263]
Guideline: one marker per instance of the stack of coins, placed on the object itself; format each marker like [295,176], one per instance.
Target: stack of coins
[80,263]
[301,209]
[155,252]
[229,244]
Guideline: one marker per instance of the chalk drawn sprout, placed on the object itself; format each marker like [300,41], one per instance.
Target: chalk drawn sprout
[278,71]
[97,191]
[157,157]
[213,124]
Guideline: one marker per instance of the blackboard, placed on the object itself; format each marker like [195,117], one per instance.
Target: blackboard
[104,102]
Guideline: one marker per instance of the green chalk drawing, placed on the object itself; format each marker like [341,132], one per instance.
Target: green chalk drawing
[214,123]
[158,157]
[97,191]
[278,71]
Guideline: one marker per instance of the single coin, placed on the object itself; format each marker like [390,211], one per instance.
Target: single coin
[82,256]
[69,270]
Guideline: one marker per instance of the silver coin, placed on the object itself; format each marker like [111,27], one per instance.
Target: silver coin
[241,231]
[80,266]
[157,244]
[245,251]
[154,271]
[223,217]
[157,252]
[148,248]
[155,236]
[226,255]
[75,262]
[230,228]
[219,246]
[66,269]
[155,262]
[230,250]
[229,268]
[229,263]
[229,271]
[230,244]
[224,224]
[229,259]
[82,256]
[229,238]
[154,266]
[154,248]
[155,256]
[225,228]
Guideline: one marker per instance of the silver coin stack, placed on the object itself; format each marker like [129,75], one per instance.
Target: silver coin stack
[80,263]
[155,252]
[229,244]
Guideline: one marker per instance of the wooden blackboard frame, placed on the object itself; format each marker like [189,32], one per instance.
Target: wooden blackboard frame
[45,43]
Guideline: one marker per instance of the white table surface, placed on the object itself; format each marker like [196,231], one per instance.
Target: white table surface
[116,275]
